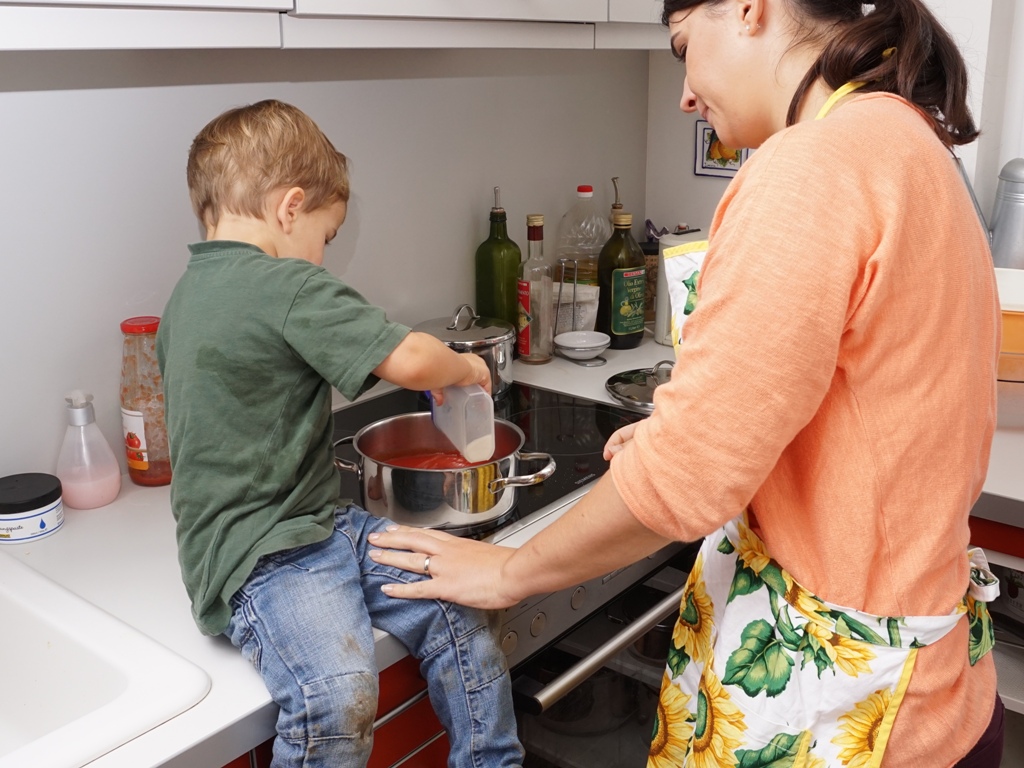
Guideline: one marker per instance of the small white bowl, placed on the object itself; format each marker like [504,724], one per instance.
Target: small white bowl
[582,345]
[583,339]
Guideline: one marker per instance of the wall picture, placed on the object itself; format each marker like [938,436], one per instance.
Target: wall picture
[712,157]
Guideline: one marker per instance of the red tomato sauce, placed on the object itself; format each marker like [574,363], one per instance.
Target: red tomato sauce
[432,460]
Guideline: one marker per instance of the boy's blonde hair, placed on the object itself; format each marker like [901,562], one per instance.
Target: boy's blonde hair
[243,155]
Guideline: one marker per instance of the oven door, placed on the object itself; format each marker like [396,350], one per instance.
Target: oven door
[590,698]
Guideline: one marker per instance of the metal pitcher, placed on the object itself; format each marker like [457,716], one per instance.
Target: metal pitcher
[1007,223]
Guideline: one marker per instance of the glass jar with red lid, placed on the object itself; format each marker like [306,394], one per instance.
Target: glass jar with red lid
[142,404]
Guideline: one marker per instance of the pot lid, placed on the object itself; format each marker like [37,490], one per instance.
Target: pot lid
[635,388]
[467,329]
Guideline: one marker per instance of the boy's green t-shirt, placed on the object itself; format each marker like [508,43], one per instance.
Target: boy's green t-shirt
[249,346]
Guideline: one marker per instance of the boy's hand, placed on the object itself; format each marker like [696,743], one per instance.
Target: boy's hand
[478,373]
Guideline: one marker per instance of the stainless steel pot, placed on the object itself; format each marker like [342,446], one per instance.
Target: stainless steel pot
[437,498]
[490,338]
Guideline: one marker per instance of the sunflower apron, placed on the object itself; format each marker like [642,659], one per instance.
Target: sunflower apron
[762,673]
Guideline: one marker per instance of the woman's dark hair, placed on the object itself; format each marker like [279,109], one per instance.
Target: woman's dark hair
[927,69]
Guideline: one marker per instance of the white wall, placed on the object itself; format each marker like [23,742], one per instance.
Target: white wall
[674,193]
[95,212]
[982,29]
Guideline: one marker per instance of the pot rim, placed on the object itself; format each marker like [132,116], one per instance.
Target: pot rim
[420,415]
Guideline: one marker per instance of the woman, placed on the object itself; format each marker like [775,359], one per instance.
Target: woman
[828,421]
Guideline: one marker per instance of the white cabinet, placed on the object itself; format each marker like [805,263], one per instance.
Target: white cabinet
[566,24]
[515,10]
[272,5]
[636,11]
[33,28]
[304,32]
[156,24]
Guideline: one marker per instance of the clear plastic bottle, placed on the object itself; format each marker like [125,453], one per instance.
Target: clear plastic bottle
[582,232]
[86,466]
[536,300]
[142,404]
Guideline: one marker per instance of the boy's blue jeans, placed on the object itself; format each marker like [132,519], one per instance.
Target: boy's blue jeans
[304,619]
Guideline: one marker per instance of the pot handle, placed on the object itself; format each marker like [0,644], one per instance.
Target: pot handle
[500,483]
[344,464]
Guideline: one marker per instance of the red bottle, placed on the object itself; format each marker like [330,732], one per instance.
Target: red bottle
[142,404]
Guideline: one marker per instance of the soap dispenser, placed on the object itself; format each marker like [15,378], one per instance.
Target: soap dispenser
[87,468]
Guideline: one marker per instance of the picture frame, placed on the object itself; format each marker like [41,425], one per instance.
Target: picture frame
[711,157]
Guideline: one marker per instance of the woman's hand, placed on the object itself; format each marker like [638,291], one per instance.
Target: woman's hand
[461,571]
[618,440]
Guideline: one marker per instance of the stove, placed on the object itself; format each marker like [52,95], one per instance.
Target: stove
[573,430]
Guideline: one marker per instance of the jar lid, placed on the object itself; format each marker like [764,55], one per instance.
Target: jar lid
[27,492]
[142,324]
[466,330]
[635,389]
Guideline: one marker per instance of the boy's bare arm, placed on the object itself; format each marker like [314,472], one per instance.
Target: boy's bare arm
[422,361]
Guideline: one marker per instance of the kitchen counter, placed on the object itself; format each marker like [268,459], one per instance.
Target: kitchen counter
[123,559]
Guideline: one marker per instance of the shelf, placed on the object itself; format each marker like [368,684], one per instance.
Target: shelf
[643,37]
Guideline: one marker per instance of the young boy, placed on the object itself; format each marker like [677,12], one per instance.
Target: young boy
[254,335]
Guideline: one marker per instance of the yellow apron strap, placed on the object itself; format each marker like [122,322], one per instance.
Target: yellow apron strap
[849,87]
[837,94]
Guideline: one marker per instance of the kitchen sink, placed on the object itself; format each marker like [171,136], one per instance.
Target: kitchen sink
[76,682]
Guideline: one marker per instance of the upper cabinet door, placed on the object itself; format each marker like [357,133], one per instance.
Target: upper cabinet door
[256,5]
[514,10]
[38,28]
[640,11]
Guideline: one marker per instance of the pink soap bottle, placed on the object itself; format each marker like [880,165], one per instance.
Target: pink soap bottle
[87,468]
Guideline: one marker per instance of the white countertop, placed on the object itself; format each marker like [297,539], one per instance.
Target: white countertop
[123,559]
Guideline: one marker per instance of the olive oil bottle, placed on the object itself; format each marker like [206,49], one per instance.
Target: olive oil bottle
[497,270]
[622,277]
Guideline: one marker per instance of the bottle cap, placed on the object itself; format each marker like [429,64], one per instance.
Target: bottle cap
[142,324]
[622,219]
[80,410]
[584,190]
[535,220]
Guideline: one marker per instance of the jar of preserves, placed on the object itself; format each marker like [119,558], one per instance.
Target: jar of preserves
[142,404]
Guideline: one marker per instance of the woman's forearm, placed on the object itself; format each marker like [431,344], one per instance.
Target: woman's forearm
[596,536]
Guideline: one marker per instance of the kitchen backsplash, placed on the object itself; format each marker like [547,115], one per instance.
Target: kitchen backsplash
[97,213]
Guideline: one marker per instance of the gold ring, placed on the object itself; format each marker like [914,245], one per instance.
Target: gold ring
[426,566]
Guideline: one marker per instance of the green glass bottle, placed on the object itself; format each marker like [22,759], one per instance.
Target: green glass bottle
[622,277]
[497,270]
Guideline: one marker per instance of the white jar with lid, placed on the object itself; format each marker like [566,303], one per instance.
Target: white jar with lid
[30,507]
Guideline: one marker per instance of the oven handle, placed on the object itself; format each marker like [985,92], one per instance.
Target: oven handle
[539,702]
